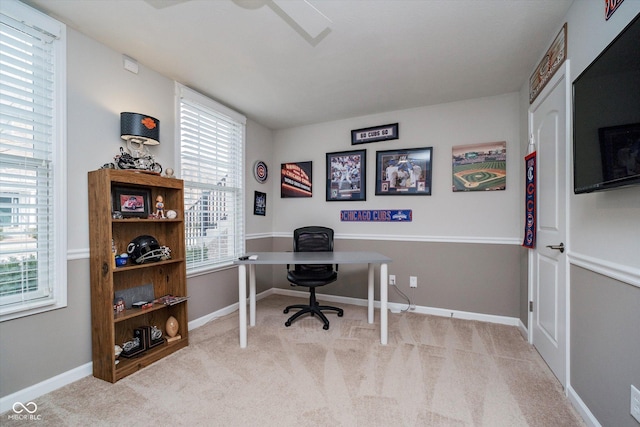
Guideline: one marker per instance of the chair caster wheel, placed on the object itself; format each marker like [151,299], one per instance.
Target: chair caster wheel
[287,324]
[325,327]
[340,313]
[286,310]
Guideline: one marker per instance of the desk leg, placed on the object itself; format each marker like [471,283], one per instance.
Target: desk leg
[252,295]
[242,303]
[370,294]
[383,304]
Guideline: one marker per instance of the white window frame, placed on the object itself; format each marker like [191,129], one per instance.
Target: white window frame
[191,96]
[32,19]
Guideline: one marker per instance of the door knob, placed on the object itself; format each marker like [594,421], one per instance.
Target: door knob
[559,247]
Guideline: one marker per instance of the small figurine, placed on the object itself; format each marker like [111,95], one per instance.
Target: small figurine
[169,173]
[159,207]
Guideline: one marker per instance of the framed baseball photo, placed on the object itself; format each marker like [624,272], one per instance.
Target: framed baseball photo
[347,176]
[404,172]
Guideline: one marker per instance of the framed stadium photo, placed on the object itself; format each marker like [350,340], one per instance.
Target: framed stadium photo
[347,176]
[404,172]
[480,167]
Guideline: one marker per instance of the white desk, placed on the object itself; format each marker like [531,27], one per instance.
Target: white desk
[283,258]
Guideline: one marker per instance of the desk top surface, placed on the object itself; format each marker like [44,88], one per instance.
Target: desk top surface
[336,257]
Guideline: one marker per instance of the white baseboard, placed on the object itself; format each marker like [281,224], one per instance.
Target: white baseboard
[28,394]
[397,307]
[582,409]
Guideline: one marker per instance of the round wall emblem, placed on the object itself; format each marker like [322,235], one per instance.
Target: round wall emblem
[260,171]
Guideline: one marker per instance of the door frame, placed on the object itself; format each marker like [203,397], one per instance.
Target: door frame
[563,71]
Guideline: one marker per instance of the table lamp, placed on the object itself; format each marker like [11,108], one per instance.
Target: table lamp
[139,130]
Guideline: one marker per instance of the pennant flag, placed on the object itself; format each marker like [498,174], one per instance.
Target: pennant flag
[530,202]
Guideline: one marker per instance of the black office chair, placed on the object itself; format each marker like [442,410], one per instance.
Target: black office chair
[312,239]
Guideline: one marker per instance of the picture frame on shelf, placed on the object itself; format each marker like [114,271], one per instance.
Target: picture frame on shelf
[131,202]
[405,172]
[346,176]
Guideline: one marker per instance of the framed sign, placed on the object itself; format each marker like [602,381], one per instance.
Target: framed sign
[131,202]
[295,180]
[347,176]
[259,203]
[374,134]
[404,172]
[260,171]
[552,60]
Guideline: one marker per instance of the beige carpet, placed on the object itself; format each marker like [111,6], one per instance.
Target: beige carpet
[435,372]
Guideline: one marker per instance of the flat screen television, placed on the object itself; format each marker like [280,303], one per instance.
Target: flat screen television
[606,117]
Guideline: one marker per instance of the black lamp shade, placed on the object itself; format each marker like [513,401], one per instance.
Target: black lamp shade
[140,128]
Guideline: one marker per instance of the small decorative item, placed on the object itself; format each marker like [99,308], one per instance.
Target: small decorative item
[159,207]
[404,172]
[259,203]
[117,350]
[171,327]
[260,171]
[480,167]
[374,134]
[131,202]
[171,214]
[552,60]
[169,173]
[118,305]
[295,180]
[347,176]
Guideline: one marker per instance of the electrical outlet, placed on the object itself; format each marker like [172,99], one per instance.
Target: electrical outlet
[392,279]
[635,403]
[413,281]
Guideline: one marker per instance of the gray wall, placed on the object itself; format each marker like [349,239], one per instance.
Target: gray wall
[477,278]
[604,253]
[605,344]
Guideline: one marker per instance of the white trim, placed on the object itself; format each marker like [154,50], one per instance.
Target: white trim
[36,19]
[397,307]
[184,92]
[623,273]
[411,238]
[582,409]
[75,254]
[46,386]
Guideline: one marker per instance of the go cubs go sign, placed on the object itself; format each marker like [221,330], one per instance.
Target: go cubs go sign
[374,134]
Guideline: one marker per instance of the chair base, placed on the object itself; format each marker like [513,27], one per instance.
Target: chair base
[314,308]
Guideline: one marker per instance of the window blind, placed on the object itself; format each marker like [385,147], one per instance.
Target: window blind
[211,165]
[28,141]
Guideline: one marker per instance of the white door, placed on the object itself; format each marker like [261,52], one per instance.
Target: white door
[548,286]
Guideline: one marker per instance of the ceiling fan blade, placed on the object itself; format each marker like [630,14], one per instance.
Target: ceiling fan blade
[305,15]
[161,4]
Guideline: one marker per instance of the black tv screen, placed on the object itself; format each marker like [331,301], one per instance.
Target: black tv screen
[606,117]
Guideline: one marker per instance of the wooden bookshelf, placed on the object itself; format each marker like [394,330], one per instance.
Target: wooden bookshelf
[168,277]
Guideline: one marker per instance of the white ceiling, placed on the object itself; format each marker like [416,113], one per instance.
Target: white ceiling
[377,56]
